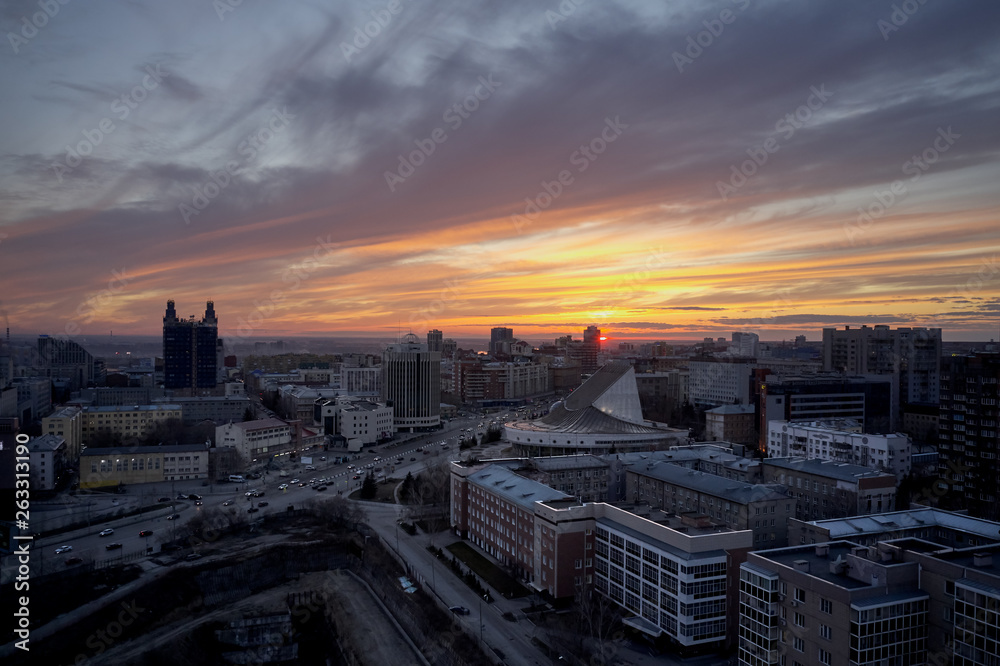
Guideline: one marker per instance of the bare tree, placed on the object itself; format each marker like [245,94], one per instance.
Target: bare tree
[600,620]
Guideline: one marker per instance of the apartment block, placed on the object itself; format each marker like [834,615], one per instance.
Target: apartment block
[66,422]
[732,423]
[128,421]
[835,441]
[255,440]
[827,489]
[721,381]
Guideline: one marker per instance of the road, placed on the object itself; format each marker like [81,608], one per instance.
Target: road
[417,451]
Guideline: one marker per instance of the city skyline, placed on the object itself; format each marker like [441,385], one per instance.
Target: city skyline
[657,172]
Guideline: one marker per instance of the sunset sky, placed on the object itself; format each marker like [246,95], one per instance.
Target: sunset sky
[596,178]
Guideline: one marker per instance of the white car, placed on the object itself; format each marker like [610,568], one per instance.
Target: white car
[107,532]
[293,481]
[63,549]
[283,486]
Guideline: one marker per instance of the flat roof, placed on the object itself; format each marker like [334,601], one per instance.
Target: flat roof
[47,442]
[819,565]
[131,408]
[828,468]
[660,545]
[515,488]
[259,424]
[712,484]
[910,519]
[143,450]
[554,463]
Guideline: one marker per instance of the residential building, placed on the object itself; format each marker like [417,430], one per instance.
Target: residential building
[912,356]
[841,441]
[708,499]
[435,338]
[129,422]
[411,384]
[66,422]
[828,489]
[255,440]
[109,396]
[109,467]
[47,457]
[584,477]
[500,339]
[904,601]
[948,529]
[217,409]
[968,434]
[732,423]
[744,344]
[720,381]
[190,349]
[602,416]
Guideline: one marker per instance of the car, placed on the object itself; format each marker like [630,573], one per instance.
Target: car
[321,488]
[261,503]
[107,532]
[302,484]
[113,546]
[163,499]
[173,516]
[459,610]
[63,549]
[356,477]
[310,468]
[181,496]
[198,502]
[227,502]
[323,458]
[253,509]
[293,482]
[412,459]
[193,556]
[194,496]
[73,560]
[283,486]
[146,533]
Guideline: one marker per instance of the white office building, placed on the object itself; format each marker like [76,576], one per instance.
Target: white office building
[840,441]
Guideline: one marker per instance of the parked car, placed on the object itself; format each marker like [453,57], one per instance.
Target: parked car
[145,533]
[253,509]
[459,610]
[63,549]
[113,546]
[106,532]
[321,488]
[261,503]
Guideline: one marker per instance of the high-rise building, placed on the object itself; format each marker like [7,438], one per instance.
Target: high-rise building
[62,358]
[912,356]
[434,340]
[190,349]
[968,440]
[744,344]
[500,339]
[411,383]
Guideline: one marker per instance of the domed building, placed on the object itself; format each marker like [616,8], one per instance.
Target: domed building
[602,416]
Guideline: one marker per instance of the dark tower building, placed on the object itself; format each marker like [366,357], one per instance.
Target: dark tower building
[434,340]
[190,349]
[968,443]
[500,339]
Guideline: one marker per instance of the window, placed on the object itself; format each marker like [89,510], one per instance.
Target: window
[799,644]
[800,595]
[800,620]
[826,605]
[824,657]
[824,631]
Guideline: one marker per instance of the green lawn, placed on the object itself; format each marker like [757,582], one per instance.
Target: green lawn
[490,573]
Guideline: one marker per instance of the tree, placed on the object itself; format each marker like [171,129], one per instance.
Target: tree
[248,415]
[406,491]
[369,489]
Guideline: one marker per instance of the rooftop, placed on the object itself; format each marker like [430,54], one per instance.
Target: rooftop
[556,463]
[131,408]
[259,424]
[143,450]
[46,443]
[912,519]
[514,488]
[663,545]
[731,409]
[711,484]
[827,468]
